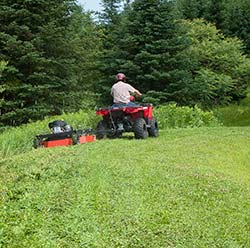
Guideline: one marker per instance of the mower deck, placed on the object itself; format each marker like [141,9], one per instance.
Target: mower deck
[64,139]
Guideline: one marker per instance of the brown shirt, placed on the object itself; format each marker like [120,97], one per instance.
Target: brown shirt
[121,92]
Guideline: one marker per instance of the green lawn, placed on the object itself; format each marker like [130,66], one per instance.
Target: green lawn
[187,188]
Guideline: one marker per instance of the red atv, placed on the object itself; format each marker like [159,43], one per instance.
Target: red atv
[116,120]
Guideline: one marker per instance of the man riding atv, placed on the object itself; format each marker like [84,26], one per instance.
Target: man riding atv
[122,91]
[124,115]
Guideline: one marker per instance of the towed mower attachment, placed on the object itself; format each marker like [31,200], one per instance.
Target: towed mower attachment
[63,135]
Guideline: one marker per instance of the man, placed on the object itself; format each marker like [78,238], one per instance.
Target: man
[121,92]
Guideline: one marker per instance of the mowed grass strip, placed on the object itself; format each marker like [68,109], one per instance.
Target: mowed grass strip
[187,188]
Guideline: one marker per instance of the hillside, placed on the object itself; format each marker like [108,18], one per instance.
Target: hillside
[187,188]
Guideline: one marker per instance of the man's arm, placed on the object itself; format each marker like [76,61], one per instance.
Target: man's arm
[133,90]
[138,93]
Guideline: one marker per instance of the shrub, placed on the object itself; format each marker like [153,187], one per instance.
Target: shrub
[235,114]
[172,116]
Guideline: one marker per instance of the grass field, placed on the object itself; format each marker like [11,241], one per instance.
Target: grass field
[186,188]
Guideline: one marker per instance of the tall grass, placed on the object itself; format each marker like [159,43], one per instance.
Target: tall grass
[235,114]
[17,140]
[20,139]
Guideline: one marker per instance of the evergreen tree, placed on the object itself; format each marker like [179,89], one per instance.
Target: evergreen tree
[110,14]
[3,65]
[110,20]
[236,20]
[190,9]
[42,49]
[211,10]
[86,47]
[146,47]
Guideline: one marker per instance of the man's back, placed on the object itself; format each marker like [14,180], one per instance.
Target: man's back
[121,92]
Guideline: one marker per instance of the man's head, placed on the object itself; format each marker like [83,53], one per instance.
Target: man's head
[120,77]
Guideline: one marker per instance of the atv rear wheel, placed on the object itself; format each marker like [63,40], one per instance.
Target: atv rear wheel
[101,130]
[153,131]
[140,129]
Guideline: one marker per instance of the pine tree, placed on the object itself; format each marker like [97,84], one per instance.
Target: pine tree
[39,43]
[110,13]
[236,21]
[191,9]
[3,65]
[146,47]
[110,20]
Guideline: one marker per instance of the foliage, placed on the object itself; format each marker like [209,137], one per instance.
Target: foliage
[3,65]
[172,116]
[188,62]
[186,188]
[210,10]
[221,71]
[236,20]
[110,13]
[231,17]
[235,114]
[61,60]
[49,47]
[146,50]
[109,23]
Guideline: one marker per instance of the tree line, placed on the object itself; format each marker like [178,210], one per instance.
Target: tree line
[56,57]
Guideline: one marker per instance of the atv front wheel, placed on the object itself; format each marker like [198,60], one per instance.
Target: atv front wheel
[153,131]
[140,129]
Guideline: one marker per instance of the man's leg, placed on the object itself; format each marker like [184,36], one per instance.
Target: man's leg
[131,104]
